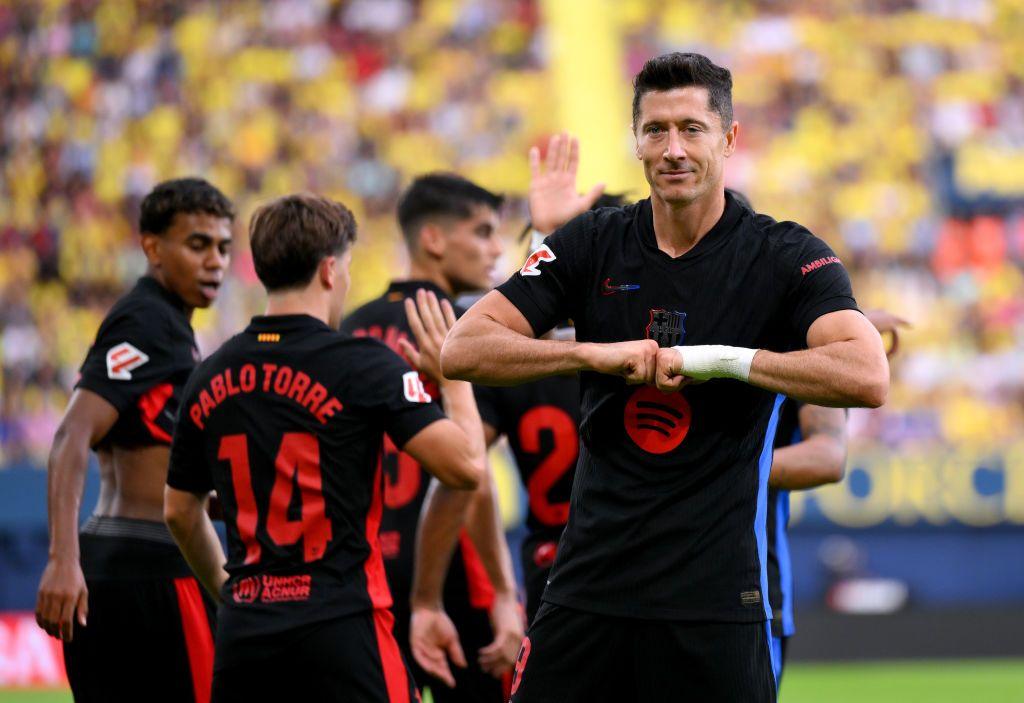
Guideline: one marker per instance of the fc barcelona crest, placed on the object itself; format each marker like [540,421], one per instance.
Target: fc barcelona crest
[666,327]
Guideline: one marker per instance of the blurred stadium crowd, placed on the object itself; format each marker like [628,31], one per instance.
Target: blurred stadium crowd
[894,129]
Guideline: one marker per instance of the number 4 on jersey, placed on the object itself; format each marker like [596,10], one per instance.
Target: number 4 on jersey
[298,460]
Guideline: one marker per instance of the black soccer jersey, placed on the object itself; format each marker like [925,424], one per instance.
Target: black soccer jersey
[142,357]
[669,500]
[405,480]
[541,421]
[286,421]
[780,573]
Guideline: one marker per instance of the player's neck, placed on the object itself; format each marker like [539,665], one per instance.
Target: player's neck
[427,271]
[158,276]
[300,302]
[678,228]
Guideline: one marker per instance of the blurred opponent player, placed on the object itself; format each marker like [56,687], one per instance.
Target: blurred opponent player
[659,589]
[541,419]
[449,225]
[143,626]
[286,422]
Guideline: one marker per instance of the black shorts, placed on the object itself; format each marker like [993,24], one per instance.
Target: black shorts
[149,634]
[353,658]
[472,684]
[570,656]
[538,554]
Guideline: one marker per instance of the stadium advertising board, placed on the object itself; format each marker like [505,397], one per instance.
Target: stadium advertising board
[922,486]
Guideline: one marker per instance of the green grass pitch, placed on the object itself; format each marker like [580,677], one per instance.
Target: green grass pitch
[1000,681]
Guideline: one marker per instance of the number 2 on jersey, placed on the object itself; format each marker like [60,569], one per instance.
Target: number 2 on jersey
[298,461]
[562,458]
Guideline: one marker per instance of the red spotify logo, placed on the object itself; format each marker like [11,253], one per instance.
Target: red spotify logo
[656,421]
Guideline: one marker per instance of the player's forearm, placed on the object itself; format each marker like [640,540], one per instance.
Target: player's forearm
[187,519]
[484,351]
[811,463]
[840,374]
[460,407]
[444,514]
[485,529]
[66,469]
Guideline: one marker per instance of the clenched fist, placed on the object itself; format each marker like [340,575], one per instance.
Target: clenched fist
[635,361]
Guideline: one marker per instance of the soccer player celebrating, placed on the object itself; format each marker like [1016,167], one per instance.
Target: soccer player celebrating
[664,555]
[286,422]
[131,615]
[449,225]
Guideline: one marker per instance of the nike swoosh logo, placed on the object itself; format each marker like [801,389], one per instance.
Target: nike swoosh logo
[608,289]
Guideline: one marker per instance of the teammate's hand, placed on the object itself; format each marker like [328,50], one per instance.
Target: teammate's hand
[668,378]
[499,656]
[887,323]
[635,361]
[430,321]
[62,599]
[434,640]
[553,197]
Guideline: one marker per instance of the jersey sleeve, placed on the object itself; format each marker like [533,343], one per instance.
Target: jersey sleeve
[546,290]
[391,393]
[131,354]
[189,469]
[816,280]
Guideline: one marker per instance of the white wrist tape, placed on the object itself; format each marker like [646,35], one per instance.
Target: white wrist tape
[704,361]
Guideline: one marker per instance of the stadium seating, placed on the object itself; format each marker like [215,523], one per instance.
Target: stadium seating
[897,135]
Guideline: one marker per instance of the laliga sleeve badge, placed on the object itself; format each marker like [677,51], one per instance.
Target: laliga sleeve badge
[122,360]
[534,260]
[413,387]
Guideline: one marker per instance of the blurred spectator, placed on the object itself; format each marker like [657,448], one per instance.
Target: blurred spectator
[892,128]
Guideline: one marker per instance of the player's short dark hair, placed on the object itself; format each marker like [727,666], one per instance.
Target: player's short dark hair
[680,70]
[440,195]
[291,235]
[609,200]
[186,195]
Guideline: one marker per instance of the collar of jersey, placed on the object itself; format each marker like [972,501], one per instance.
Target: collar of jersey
[409,288]
[153,286]
[716,236]
[285,323]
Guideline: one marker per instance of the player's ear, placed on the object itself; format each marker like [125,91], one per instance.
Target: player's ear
[432,240]
[327,271]
[636,143]
[151,248]
[730,138]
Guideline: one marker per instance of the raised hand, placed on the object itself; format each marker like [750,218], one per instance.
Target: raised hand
[553,196]
[430,321]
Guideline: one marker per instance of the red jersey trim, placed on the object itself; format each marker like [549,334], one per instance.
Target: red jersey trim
[376,578]
[198,638]
[396,676]
[151,404]
[481,591]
